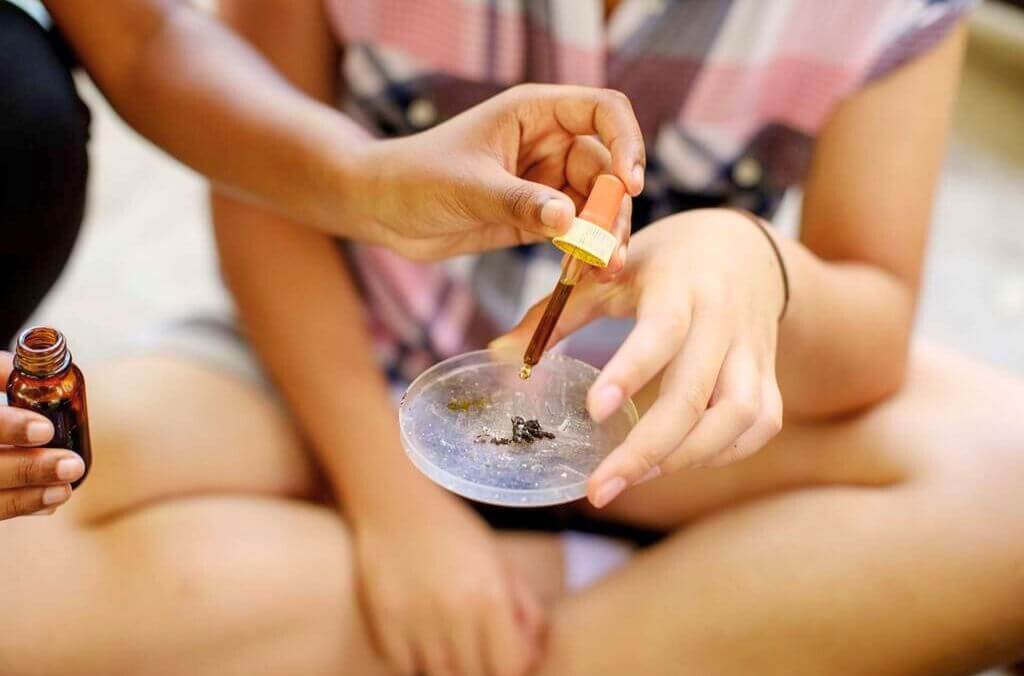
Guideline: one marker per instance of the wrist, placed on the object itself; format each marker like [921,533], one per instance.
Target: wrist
[401,512]
[338,188]
[372,188]
[780,271]
[393,501]
[336,179]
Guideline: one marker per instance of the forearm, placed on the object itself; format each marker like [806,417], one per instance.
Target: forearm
[844,341]
[305,319]
[867,205]
[209,99]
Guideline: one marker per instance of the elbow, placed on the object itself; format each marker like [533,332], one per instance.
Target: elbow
[892,362]
[850,394]
[870,371]
[885,365]
[888,375]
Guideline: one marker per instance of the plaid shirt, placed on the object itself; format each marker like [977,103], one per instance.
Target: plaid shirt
[729,94]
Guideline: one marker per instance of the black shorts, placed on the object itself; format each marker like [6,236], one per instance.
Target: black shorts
[562,518]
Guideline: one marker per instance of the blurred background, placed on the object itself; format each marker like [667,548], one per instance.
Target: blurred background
[146,256]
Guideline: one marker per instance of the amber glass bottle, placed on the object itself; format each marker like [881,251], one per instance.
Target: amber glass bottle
[45,380]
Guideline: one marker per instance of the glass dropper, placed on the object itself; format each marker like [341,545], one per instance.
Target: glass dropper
[572,271]
[589,241]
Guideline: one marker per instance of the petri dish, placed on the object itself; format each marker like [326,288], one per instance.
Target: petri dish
[453,412]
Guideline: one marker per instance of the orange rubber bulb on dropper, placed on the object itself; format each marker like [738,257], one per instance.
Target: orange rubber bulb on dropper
[589,241]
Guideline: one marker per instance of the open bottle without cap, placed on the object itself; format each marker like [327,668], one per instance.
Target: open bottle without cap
[46,380]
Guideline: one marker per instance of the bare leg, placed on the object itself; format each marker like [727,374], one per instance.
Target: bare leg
[195,547]
[202,586]
[892,543]
[165,427]
[183,552]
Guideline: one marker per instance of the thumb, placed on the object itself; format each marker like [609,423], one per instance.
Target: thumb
[500,198]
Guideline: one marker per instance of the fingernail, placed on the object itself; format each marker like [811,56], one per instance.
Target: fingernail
[652,473]
[604,401]
[44,512]
[608,491]
[638,177]
[54,495]
[554,213]
[70,469]
[38,432]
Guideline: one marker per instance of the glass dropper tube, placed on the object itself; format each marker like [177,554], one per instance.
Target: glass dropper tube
[588,241]
[572,271]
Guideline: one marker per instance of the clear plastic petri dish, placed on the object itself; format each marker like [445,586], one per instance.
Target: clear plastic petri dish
[457,423]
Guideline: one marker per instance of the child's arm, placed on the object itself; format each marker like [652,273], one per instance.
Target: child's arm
[867,207]
[211,101]
[298,302]
[428,566]
[434,587]
[707,291]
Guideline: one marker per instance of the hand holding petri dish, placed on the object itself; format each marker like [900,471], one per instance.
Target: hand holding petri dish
[472,425]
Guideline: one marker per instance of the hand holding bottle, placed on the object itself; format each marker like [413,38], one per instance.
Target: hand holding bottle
[31,479]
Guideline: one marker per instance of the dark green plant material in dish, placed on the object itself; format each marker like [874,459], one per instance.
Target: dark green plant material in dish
[523,432]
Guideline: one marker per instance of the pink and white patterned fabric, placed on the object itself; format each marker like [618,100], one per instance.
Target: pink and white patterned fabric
[729,93]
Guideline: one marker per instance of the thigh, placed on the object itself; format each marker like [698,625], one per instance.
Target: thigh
[210,586]
[892,581]
[953,417]
[164,427]
[892,545]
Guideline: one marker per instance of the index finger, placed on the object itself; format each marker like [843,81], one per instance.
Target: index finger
[648,348]
[684,394]
[19,427]
[609,114]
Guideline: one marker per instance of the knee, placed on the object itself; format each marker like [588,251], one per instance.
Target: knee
[204,583]
[972,413]
[262,572]
[954,420]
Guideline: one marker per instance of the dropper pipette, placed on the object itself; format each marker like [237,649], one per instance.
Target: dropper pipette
[589,241]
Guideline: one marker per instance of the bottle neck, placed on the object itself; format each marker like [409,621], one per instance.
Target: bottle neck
[42,352]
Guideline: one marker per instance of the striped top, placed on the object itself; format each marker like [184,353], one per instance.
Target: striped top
[729,94]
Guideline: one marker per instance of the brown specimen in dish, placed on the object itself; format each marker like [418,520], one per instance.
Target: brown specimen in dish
[523,432]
